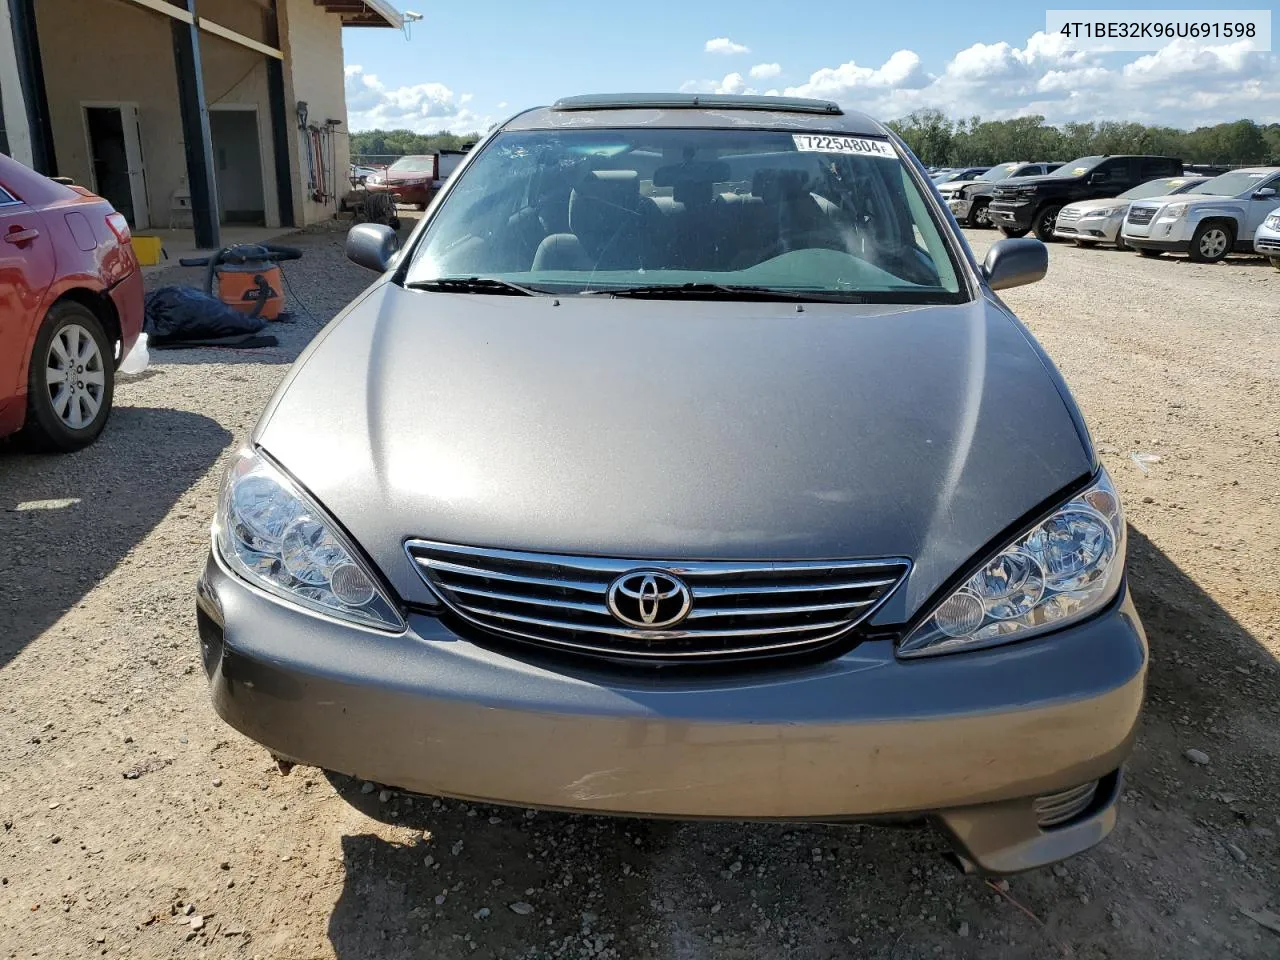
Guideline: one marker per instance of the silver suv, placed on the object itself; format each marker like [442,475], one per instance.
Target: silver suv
[1209,221]
[686,463]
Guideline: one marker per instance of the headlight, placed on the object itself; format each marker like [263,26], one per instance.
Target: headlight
[270,533]
[1174,211]
[1027,193]
[1063,569]
[1273,221]
[1104,212]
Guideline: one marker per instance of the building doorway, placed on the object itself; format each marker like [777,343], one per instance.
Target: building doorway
[115,158]
[237,165]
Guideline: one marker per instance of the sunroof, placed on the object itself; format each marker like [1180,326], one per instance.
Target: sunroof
[677,101]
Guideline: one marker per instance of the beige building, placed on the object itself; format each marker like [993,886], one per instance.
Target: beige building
[185,113]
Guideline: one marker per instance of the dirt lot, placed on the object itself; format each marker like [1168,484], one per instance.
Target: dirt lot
[136,823]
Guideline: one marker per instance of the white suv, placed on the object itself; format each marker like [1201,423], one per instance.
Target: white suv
[1218,217]
[1267,240]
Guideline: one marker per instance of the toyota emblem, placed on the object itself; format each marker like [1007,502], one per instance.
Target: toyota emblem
[650,599]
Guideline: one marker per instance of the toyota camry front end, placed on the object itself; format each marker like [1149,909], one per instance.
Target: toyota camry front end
[685,463]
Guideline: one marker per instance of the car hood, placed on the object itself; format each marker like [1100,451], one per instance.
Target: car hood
[1099,203]
[676,429]
[954,186]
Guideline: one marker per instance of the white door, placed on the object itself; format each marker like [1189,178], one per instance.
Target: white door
[137,168]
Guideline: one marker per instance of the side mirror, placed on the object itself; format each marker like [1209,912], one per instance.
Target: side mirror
[1266,193]
[372,245]
[1012,263]
[1097,178]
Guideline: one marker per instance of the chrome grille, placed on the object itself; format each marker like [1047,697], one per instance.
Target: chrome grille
[737,609]
[1055,809]
[1266,243]
[1069,214]
[1141,215]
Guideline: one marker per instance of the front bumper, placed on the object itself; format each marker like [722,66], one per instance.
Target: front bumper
[1100,229]
[404,193]
[1160,234]
[127,295]
[1016,215]
[967,739]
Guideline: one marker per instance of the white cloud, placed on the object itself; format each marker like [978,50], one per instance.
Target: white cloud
[1181,85]
[763,71]
[421,107]
[724,45]
[900,71]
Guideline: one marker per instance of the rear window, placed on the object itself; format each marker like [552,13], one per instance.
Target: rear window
[838,217]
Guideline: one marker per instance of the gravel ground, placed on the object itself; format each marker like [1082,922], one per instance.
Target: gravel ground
[136,823]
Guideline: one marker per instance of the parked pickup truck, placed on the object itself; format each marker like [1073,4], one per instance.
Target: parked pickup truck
[1218,217]
[968,199]
[1032,204]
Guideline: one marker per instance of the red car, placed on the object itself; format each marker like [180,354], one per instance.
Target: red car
[412,179]
[70,308]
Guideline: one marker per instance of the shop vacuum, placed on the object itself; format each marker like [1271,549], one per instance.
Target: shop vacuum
[248,276]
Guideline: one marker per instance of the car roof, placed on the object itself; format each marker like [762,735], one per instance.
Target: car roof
[1254,170]
[696,110]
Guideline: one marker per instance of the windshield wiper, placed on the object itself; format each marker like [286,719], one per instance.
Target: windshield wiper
[473,285]
[703,291]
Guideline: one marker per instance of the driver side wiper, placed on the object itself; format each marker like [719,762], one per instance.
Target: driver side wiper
[699,291]
[474,285]
[718,291]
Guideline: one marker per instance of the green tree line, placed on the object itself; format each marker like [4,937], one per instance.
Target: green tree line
[940,141]
[399,143]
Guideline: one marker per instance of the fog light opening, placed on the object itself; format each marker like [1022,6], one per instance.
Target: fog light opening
[1059,809]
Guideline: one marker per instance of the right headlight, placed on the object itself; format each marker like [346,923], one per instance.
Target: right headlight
[1273,221]
[1174,211]
[1066,567]
[274,536]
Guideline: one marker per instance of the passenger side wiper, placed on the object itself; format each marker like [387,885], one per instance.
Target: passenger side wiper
[473,285]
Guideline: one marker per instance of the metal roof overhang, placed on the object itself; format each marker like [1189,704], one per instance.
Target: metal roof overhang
[364,13]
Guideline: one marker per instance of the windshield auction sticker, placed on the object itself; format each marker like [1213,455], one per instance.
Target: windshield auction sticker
[1104,31]
[817,143]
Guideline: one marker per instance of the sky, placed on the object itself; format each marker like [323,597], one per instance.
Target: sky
[466,66]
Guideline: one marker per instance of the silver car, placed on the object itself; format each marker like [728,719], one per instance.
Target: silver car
[1266,240]
[1089,222]
[685,462]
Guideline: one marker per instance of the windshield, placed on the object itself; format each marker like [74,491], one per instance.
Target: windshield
[1078,167]
[1002,172]
[1232,184]
[413,165]
[578,211]
[1153,188]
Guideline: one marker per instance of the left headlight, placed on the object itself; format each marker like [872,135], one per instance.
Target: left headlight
[1066,567]
[1105,212]
[1174,211]
[270,533]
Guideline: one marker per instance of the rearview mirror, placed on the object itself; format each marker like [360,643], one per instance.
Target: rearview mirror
[1265,193]
[372,245]
[1012,263]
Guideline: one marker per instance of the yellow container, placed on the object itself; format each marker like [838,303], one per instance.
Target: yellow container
[148,249]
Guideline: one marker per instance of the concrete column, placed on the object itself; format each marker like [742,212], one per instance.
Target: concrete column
[22,88]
